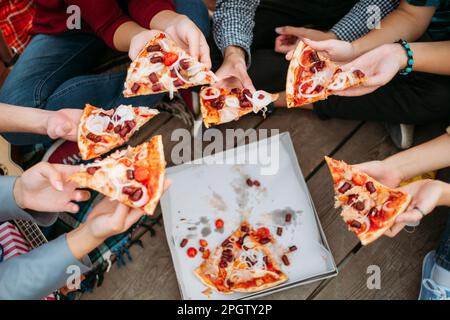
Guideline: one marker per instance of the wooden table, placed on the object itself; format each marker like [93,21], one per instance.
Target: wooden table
[151,275]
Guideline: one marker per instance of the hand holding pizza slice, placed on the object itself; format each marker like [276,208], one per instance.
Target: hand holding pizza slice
[313,77]
[101,130]
[368,208]
[162,66]
[133,176]
[222,105]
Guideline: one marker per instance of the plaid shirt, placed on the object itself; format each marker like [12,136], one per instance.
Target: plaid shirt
[439,28]
[233,21]
[16,17]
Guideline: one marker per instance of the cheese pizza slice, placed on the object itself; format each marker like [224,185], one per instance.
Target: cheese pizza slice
[133,176]
[101,130]
[162,66]
[222,105]
[368,207]
[242,263]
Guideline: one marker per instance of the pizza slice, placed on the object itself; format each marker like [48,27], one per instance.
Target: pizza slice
[313,77]
[223,105]
[162,66]
[368,207]
[101,130]
[242,263]
[133,176]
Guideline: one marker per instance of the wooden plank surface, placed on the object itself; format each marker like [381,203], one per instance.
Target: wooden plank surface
[328,135]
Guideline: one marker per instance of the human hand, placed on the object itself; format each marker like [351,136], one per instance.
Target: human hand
[426,196]
[63,124]
[233,71]
[139,41]
[382,171]
[44,188]
[379,65]
[336,50]
[289,36]
[189,37]
[109,217]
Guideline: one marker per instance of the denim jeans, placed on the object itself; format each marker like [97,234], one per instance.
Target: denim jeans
[443,250]
[54,73]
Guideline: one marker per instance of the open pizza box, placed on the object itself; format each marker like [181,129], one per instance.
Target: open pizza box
[215,187]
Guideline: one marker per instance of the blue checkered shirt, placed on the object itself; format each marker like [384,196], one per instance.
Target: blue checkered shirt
[233,21]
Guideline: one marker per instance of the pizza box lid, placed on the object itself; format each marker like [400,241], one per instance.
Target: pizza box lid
[215,187]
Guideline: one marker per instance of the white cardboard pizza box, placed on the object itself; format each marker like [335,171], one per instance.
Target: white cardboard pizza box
[215,187]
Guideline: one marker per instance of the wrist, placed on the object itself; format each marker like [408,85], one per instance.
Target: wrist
[399,54]
[234,53]
[444,199]
[81,241]
[394,168]
[18,193]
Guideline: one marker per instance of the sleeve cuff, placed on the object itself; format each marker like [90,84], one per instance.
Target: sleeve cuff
[10,210]
[108,35]
[237,43]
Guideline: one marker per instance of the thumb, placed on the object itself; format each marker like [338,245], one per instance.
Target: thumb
[409,216]
[193,39]
[323,45]
[287,30]
[62,130]
[53,176]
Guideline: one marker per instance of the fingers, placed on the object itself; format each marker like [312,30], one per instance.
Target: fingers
[356,91]
[245,78]
[54,177]
[66,170]
[193,40]
[289,55]
[410,216]
[60,130]
[81,195]
[133,216]
[71,208]
[204,52]
[288,30]
[396,228]
[118,218]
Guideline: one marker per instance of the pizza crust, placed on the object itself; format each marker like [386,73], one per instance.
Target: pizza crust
[290,80]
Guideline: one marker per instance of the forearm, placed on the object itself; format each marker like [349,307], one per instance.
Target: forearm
[432,57]
[37,274]
[406,22]
[81,241]
[417,160]
[21,119]
[124,34]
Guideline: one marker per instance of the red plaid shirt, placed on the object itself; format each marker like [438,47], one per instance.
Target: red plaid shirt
[16,17]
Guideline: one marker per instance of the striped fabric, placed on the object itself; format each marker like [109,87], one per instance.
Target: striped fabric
[12,242]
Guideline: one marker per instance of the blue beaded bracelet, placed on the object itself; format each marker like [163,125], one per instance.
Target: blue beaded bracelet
[409,53]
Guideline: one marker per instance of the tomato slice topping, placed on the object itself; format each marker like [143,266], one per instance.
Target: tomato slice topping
[141,174]
[263,232]
[203,243]
[191,252]
[219,224]
[359,179]
[170,58]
